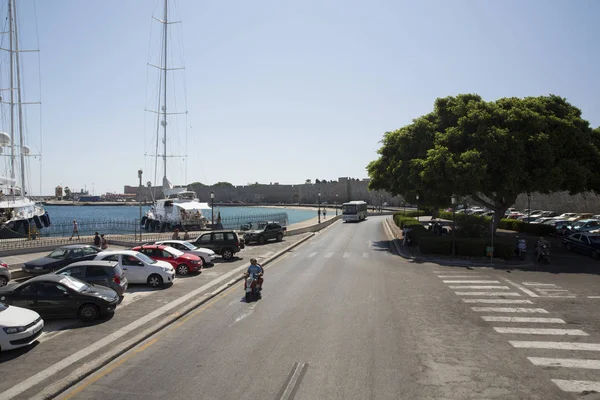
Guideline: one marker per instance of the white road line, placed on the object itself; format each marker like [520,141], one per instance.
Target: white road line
[311,255]
[365,254]
[455,272]
[498,301]
[593,297]
[577,386]
[329,254]
[525,320]
[471,281]
[542,331]
[346,255]
[525,344]
[462,276]
[487,294]
[557,295]
[112,338]
[551,290]
[565,362]
[510,310]
[478,287]
[522,288]
[538,284]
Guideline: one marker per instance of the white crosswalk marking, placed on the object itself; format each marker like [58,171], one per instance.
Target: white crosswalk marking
[514,294]
[311,255]
[329,254]
[565,362]
[365,254]
[526,344]
[524,320]
[538,284]
[471,281]
[462,276]
[509,310]
[478,287]
[346,255]
[577,386]
[498,301]
[542,331]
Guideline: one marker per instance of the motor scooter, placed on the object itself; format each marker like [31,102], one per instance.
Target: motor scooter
[252,287]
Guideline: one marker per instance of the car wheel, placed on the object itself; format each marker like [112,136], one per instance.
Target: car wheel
[261,240]
[155,280]
[3,281]
[279,237]
[89,312]
[227,254]
[183,269]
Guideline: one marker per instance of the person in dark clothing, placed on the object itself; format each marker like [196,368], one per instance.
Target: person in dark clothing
[97,240]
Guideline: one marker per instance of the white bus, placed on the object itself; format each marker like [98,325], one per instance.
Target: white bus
[354,211]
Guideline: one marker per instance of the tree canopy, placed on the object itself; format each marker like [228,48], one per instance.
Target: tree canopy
[223,185]
[492,151]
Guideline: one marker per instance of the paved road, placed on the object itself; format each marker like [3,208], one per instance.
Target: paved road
[343,318]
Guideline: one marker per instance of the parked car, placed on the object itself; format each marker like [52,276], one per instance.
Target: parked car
[566,216]
[19,327]
[587,243]
[207,255]
[139,268]
[182,262]
[61,296]
[584,225]
[581,216]
[265,231]
[61,257]
[103,273]
[5,274]
[226,243]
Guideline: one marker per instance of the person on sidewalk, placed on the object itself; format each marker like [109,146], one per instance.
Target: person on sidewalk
[186,235]
[75,230]
[175,235]
[97,240]
[104,242]
[324,213]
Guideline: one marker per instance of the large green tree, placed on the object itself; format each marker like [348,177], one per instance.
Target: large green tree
[492,151]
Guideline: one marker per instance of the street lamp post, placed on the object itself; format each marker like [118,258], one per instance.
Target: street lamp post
[319,211]
[140,192]
[336,210]
[528,207]
[212,210]
[417,196]
[453,199]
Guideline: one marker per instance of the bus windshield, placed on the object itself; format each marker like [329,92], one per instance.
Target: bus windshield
[349,209]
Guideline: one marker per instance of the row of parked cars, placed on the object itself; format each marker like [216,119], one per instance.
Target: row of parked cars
[82,281]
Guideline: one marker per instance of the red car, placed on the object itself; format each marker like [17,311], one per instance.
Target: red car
[183,263]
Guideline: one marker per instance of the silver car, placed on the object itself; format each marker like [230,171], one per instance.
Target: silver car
[4,274]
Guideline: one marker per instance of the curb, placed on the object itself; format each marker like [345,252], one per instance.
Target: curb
[55,389]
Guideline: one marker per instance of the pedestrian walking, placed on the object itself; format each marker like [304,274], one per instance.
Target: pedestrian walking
[324,213]
[175,235]
[104,242]
[75,230]
[186,235]
[97,240]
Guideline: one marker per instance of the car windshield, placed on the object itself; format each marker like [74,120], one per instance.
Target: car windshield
[59,253]
[3,307]
[145,259]
[188,245]
[175,252]
[74,284]
[261,225]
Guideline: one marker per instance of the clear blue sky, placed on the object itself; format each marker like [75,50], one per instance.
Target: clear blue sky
[282,91]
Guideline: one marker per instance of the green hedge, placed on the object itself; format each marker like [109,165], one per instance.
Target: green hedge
[505,223]
[466,247]
[416,228]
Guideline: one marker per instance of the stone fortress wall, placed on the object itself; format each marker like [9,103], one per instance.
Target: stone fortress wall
[340,191]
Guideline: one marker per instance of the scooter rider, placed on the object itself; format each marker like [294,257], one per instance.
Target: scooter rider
[257,272]
[540,243]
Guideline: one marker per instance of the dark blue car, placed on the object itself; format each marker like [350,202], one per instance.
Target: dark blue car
[61,257]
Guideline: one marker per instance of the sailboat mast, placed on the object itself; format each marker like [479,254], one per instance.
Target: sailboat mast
[19,103]
[12,94]
[164,107]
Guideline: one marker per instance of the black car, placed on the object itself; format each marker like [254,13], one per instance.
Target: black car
[103,273]
[587,243]
[225,242]
[61,296]
[265,231]
[61,257]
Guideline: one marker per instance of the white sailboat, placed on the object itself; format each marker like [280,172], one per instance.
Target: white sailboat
[180,209]
[20,216]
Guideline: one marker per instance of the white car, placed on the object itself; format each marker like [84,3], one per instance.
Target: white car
[18,327]
[207,255]
[139,268]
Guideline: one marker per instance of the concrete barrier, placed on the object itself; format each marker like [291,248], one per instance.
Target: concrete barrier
[313,228]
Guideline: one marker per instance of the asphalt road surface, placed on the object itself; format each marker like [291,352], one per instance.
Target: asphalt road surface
[342,317]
